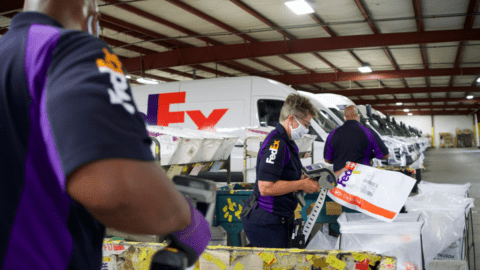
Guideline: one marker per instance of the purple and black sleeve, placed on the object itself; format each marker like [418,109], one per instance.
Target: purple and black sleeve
[89,105]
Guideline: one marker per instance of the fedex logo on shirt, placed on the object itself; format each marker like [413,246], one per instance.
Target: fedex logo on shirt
[273,152]
[118,95]
[158,112]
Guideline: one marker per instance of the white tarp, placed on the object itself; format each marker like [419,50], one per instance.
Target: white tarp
[454,189]
[444,216]
[400,238]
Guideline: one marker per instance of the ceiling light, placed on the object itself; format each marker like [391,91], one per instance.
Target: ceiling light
[300,7]
[147,81]
[469,97]
[128,77]
[399,103]
[478,80]
[365,68]
[406,110]
[410,113]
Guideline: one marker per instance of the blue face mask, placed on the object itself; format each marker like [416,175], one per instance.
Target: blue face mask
[298,132]
[90,27]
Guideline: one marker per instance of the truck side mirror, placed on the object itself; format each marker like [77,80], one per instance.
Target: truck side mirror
[369,111]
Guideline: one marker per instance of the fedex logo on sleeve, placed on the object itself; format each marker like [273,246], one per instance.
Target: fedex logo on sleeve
[158,112]
[273,152]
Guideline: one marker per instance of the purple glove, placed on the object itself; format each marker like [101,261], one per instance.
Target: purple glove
[194,239]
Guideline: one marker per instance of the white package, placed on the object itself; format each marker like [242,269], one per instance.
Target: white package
[378,193]
[452,252]
[400,238]
[455,189]
[444,216]
[323,241]
[418,162]
[181,145]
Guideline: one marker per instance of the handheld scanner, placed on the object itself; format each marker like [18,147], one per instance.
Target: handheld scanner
[326,178]
[201,192]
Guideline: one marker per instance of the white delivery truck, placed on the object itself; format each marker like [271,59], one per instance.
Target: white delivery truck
[240,106]
[322,105]
[407,146]
[335,105]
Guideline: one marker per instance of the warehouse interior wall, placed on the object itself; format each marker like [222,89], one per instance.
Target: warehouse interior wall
[449,123]
[442,123]
[421,122]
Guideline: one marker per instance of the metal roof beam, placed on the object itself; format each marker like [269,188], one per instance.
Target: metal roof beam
[177,56]
[208,54]
[367,17]
[114,42]
[392,91]
[320,22]
[469,20]
[213,71]
[415,100]
[390,108]
[262,18]
[375,30]
[471,12]
[377,75]
[210,19]
[159,20]
[224,26]
[117,43]
[417,7]
[456,112]
[110,21]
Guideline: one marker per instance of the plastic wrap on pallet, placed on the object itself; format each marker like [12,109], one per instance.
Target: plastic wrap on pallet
[444,219]
[136,256]
[418,163]
[454,189]
[400,238]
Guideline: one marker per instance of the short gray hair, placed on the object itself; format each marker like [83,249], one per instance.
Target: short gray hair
[297,105]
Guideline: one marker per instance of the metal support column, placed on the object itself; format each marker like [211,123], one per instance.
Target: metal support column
[433,132]
[476,128]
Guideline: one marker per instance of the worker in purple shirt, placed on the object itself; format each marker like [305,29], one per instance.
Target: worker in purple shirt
[75,152]
[353,142]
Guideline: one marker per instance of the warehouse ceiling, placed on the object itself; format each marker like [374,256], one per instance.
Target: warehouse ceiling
[423,53]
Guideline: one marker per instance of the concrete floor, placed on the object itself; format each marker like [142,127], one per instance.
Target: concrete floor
[457,166]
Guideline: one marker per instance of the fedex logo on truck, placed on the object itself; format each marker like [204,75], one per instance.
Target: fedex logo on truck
[158,112]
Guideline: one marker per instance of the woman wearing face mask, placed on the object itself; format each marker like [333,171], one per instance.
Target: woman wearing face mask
[269,212]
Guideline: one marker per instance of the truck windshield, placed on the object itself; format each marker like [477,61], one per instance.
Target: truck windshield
[338,113]
[396,129]
[331,118]
[325,123]
[382,125]
[375,125]
[269,115]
